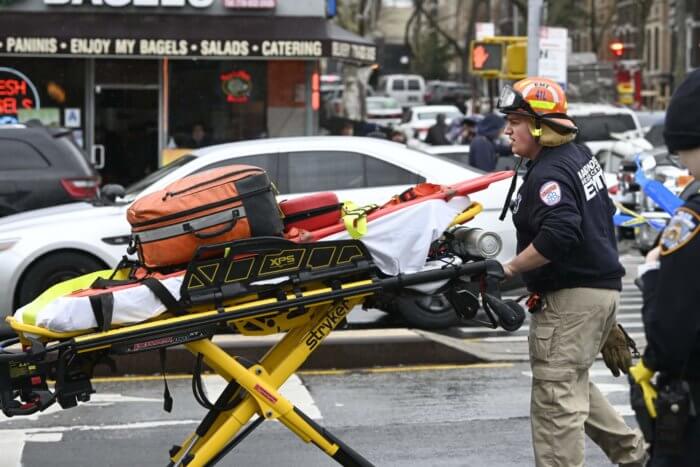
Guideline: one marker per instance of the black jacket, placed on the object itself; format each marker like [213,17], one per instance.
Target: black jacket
[564,210]
[437,135]
[484,152]
[671,309]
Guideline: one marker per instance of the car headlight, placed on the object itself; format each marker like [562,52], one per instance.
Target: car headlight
[7,243]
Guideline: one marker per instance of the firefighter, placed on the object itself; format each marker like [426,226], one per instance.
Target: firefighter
[567,255]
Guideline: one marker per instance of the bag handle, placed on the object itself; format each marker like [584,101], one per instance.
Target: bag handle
[229,226]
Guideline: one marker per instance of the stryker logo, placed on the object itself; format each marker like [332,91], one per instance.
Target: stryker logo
[136,3]
[316,335]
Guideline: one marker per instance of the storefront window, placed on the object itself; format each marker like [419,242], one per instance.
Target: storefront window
[49,90]
[213,102]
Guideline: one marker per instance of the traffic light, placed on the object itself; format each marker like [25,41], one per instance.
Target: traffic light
[485,58]
[617,48]
[516,61]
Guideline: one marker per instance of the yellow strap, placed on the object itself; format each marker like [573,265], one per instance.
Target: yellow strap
[468,214]
[355,218]
[642,376]
[32,309]
[637,219]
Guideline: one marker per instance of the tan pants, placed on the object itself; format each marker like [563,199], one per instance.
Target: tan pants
[565,337]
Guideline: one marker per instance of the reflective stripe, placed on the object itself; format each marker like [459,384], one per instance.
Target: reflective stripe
[193,225]
[535,104]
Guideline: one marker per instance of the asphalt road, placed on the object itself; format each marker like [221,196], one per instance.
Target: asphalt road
[447,416]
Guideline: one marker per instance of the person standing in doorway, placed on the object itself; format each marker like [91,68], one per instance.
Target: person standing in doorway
[198,138]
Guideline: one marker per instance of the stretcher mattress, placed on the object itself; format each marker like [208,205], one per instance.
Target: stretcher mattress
[398,242]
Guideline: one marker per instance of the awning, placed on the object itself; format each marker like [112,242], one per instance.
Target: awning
[180,36]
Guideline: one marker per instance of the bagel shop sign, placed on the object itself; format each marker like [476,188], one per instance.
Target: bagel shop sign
[17,93]
[156,6]
[163,47]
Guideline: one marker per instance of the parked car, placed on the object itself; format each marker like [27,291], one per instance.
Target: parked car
[417,120]
[408,90]
[42,167]
[446,92]
[41,248]
[384,111]
[611,133]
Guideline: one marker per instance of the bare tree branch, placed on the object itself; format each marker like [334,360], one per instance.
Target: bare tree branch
[451,40]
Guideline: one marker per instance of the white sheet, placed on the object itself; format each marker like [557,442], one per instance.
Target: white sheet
[399,242]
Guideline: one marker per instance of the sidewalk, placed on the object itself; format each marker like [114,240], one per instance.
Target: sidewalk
[344,349]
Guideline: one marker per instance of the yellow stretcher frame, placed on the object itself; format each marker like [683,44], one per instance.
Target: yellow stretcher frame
[256,388]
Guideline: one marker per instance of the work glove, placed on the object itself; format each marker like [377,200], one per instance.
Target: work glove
[642,376]
[616,352]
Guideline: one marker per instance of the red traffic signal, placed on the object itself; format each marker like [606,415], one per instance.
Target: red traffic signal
[617,48]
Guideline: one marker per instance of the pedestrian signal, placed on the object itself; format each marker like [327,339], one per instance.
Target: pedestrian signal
[486,58]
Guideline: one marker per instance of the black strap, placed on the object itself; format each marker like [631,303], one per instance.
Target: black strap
[301,215]
[103,307]
[511,189]
[164,295]
[167,398]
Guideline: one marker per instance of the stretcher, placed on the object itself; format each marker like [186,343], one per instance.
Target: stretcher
[253,286]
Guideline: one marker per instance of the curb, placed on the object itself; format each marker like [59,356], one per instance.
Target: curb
[349,349]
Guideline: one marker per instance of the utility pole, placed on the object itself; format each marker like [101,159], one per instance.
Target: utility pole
[534,10]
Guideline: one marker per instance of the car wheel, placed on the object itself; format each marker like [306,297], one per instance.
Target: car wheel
[427,311]
[51,270]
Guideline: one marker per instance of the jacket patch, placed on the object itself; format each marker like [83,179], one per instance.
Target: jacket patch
[515,205]
[682,227]
[550,193]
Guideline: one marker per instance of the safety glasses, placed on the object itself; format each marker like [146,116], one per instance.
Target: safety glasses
[510,100]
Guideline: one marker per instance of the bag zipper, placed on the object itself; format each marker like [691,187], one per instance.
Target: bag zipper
[201,208]
[200,184]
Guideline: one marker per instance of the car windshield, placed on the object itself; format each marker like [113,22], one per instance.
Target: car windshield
[600,127]
[151,178]
[432,115]
[655,135]
[380,104]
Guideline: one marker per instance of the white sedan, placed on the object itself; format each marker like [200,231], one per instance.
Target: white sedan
[384,111]
[420,118]
[40,248]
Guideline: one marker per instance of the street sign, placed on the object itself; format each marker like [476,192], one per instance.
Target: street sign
[71,117]
[553,54]
[486,58]
[484,30]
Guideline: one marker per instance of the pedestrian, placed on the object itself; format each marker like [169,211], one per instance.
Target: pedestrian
[671,300]
[462,130]
[198,137]
[486,147]
[437,134]
[567,256]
